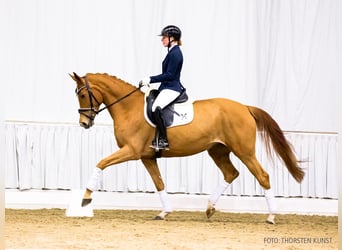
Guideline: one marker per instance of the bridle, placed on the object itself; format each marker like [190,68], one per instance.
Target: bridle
[93,111]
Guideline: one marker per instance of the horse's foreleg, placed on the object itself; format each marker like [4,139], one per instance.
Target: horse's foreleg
[166,203]
[122,155]
[92,186]
[220,154]
[152,168]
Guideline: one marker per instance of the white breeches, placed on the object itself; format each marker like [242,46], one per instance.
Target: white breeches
[165,97]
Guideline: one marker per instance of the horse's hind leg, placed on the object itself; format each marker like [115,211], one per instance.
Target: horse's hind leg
[220,154]
[152,168]
[263,178]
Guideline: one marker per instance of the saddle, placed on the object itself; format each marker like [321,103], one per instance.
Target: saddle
[178,112]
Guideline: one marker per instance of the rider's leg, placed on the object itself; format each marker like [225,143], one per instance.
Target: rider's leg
[164,98]
[162,140]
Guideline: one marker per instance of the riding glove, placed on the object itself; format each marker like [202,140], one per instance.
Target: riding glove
[145,82]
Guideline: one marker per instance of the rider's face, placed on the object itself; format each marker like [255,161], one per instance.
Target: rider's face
[165,41]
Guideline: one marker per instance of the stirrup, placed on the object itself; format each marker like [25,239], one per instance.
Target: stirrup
[160,144]
[163,145]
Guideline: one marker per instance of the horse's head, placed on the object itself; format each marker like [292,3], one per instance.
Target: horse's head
[88,99]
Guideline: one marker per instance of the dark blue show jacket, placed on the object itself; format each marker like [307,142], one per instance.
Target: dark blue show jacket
[171,71]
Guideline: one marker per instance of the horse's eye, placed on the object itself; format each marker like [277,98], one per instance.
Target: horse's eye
[82,96]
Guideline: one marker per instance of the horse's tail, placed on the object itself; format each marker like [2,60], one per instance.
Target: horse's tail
[270,131]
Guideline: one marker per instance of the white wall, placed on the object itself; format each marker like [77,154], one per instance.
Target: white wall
[279,55]
[59,156]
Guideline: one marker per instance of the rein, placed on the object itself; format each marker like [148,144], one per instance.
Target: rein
[91,96]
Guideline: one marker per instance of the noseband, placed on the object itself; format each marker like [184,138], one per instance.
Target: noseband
[93,111]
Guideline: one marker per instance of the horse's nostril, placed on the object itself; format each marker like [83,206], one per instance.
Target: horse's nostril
[84,125]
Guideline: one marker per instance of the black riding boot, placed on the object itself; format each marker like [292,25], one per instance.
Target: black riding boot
[160,139]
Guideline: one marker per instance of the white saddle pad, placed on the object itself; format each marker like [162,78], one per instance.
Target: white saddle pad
[183,113]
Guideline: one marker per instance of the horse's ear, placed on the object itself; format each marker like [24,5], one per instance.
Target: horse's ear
[75,77]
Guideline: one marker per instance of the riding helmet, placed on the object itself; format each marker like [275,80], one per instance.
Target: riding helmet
[172,30]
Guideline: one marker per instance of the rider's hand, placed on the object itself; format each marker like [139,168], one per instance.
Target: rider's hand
[145,82]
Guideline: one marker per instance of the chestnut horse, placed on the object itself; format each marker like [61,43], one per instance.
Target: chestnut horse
[220,126]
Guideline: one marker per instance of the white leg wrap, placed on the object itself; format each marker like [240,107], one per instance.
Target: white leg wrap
[271,204]
[93,183]
[164,198]
[218,192]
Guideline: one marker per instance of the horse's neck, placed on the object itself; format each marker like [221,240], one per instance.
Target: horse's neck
[113,89]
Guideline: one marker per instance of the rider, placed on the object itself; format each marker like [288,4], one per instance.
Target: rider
[170,87]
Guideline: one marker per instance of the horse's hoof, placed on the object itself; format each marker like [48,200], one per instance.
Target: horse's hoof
[270,219]
[210,211]
[158,218]
[162,215]
[86,201]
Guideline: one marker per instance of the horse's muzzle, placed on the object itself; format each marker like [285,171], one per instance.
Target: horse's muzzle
[86,123]
[87,117]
